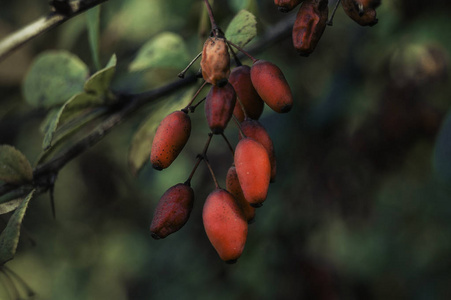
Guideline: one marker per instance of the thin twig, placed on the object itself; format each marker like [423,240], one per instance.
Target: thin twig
[200,157]
[44,24]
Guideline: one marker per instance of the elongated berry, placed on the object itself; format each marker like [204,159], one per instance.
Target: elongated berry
[309,25]
[271,85]
[233,187]
[363,12]
[215,62]
[219,107]
[240,79]
[225,225]
[254,170]
[172,211]
[170,138]
[286,5]
[254,129]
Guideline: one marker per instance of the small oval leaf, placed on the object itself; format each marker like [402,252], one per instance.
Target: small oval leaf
[10,235]
[54,77]
[99,82]
[242,29]
[14,166]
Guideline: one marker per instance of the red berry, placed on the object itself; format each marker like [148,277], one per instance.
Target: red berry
[215,62]
[254,170]
[271,85]
[225,225]
[172,211]
[233,187]
[219,107]
[286,5]
[240,79]
[363,12]
[170,138]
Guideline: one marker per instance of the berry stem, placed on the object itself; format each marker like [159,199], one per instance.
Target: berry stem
[330,22]
[235,57]
[192,108]
[238,124]
[243,51]
[200,157]
[194,97]
[211,171]
[228,143]
[214,27]
[182,74]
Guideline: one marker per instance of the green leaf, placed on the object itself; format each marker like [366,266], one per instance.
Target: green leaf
[9,206]
[166,50]
[10,235]
[54,77]
[99,82]
[139,152]
[242,29]
[93,24]
[78,106]
[14,166]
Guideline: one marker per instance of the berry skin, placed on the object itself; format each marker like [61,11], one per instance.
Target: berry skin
[254,170]
[225,225]
[170,138]
[309,25]
[215,61]
[172,211]
[363,12]
[240,79]
[255,130]
[233,187]
[287,5]
[219,107]
[271,85]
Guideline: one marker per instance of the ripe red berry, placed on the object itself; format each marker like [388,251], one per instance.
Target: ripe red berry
[309,25]
[215,62]
[286,5]
[219,107]
[254,170]
[233,187]
[255,130]
[170,138]
[363,12]
[240,79]
[271,85]
[225,225]
[172,211]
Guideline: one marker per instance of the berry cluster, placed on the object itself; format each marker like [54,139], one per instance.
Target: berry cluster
[239,94]
[312,18]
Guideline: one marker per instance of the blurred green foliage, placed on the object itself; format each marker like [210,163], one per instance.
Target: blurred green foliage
[361,207]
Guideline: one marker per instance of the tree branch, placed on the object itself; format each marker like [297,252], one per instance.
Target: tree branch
[24,35]
[42,173]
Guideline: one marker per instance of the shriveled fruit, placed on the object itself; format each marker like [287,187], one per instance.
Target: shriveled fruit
[170,138]
[233,187]
[363,12]
[254,170]
[215,61]
[254,129]
[219,107]
[240,79]
[172,211]
[225,225]
[271,86]
[286,5]
[309,25]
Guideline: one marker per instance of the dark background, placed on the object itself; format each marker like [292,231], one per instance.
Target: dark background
[361,207]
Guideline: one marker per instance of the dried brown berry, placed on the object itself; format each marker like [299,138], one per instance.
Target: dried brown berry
[361,11]
[240,79]
[225,225]
[254,129]
[286,5]
[309,25]
[172,211]
[271,85]
[215,61]
[170,138]
[219,107]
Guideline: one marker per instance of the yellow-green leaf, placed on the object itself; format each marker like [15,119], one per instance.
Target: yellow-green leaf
[14,166]
[242,29]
